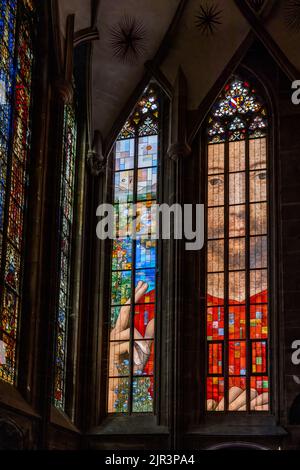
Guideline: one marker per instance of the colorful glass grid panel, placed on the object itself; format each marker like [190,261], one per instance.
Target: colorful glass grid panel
[148,148]
[261,400]
[12,268]
[259,357]
[147,276]
[123,220]
[122,255]
[144,120]
[215,358]
[259,321]
[124,159]
[131,375]
[146,219]
[237,322]
[238,112]
[142,395]
[215,394]
[120,287]
[118,395]
[123,186]
[237,249]
[16,64]
[145,254]
[66,226]
[144,314]
[147,184]
[237,358]
[237,98]
[215,323]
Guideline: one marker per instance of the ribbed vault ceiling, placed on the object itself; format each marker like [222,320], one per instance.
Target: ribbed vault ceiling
[202,56]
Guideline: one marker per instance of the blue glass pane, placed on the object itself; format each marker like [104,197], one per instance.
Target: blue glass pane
[145,254]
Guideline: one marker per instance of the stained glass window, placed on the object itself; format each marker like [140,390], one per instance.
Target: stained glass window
[66,225]
[133,267]
[16,65]
[237,309]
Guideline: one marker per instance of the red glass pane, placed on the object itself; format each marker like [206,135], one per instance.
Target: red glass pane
[259,321]
[215,358]
[237,357]
[259,357]
[237,322]
[144,321]
[215,394]
[215,323]
[143,357]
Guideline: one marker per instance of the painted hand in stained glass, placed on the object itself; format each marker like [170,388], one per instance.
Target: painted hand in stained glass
[120,338]
[238,401]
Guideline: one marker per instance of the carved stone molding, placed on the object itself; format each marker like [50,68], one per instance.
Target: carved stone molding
[96,163]
[179,147]
[95,158]
[178,150]
[65,90]
[11,436]
[86,35]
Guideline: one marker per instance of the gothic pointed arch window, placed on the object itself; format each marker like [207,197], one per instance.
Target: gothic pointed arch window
[17,20]
[237,306]
[66,213]
[131,371]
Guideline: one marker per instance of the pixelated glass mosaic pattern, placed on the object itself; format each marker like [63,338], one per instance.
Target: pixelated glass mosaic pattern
[131,375]
[66,225]
[17,18]
[237,313]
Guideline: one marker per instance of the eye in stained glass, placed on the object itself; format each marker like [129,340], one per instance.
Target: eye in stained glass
[131,377]
[67,191]
[124,186]
[237,310]
[16,65]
